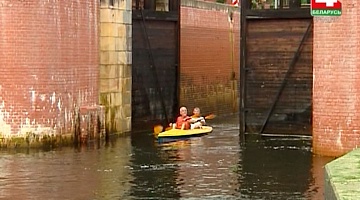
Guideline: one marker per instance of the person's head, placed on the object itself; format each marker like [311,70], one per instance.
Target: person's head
[183,111]
[196,112]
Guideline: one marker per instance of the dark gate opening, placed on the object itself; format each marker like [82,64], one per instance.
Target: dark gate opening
[155,59]
[276,70]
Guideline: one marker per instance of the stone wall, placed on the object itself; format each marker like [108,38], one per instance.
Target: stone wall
[115,64]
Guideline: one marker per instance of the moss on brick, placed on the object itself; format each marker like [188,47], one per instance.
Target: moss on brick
[31,140]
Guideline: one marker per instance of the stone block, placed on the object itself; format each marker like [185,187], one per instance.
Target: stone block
[119,113]
[105,100]
[119,16]
[119,126]
[121,4]
[108,29]
[121,30]
[130,58]
[104,85]
[121,44]
[127,17]
[128,5]
[124,5]
[126,84]
[107,15]
[124,57]
[114,85]
[126,98]
[116,99]
[129,43]
[122,125]
[117,110]
[127,127]
[110,71]
[129,31]
[123,16]
[104,57]
[127,110]
[108,57]
[125,71]
[107,43]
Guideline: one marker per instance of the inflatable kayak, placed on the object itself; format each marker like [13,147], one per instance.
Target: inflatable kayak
[180,134]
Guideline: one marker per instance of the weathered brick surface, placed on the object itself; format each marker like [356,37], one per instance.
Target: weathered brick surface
[48,63]
[336,119]
[205,57]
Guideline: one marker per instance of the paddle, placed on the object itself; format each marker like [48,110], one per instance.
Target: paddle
[159,128]
[211,116]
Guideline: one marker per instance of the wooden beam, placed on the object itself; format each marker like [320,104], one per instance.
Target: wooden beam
[149,5]
[174,5]
[300,13]
[243,61]
[156,15]
[295,4]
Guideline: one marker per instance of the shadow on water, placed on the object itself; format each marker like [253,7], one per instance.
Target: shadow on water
[214,166]
[153,171]
[278,168]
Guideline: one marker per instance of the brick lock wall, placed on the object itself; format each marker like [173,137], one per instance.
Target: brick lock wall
[205,57]
[336,64]
[48,63]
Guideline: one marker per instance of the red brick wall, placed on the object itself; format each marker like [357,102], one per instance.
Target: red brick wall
[205,58]
[48,63]
[336,64]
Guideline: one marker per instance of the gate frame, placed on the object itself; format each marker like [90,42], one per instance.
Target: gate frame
[148,13]
[248,14]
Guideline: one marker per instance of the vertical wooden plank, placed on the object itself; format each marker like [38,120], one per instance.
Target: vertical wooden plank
[149,5]
[295,4]
[243,33]
[177,6]
[174,5]
[281,6]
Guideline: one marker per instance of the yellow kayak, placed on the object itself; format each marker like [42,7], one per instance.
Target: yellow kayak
[176,133]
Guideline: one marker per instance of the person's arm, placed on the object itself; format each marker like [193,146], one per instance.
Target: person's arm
[187,118]
[178,122]
[193,120]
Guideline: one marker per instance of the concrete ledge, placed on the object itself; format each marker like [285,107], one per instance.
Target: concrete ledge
[209,5]
[342,177]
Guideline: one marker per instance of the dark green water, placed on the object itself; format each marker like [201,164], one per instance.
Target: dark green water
[136,167]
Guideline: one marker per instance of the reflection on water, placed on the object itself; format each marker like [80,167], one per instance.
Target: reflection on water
[136,167]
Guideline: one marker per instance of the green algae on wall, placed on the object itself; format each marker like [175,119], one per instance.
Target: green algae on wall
[31,140]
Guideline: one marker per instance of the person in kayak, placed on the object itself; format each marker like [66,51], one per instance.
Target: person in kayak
[182,121]
[196,119]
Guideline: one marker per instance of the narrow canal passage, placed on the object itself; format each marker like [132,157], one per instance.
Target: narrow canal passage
[136,167]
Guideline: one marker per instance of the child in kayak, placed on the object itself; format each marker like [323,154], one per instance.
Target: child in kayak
[183,121]
[196,120]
